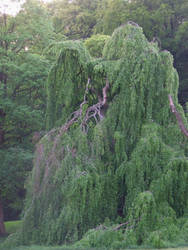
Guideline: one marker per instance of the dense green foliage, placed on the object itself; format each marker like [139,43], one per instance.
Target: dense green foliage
[130,167]
[75,19]
[164,21]
[23,72]
[30,43]
[114,177]
[95,44]
[69,79]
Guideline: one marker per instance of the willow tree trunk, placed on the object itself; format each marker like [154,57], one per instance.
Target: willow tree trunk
[178,116]
[2,225]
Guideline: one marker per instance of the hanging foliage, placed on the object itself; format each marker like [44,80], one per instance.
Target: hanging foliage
[116,152]
[66,83]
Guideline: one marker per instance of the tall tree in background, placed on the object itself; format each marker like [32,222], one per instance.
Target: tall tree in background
[110,15]
[35,25]
[75,19]
[23,72]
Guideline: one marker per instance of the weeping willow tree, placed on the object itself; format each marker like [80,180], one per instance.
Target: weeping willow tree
[112,170]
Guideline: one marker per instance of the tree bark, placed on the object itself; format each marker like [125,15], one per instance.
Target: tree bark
[178,117]
[2,225]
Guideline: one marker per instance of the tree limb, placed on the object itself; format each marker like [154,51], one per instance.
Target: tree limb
[178,117]
[94,111]
[120,225]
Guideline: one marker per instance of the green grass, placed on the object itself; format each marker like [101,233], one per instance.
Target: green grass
[55,248]
[41,248]
[69,248]
[12,226]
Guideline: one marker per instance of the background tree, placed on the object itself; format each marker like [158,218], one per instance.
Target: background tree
[95,44]
[23,72]
[75,19]
[110,15]
[37,29]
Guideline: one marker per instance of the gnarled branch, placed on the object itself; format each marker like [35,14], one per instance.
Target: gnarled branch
[178,117]
[94,111]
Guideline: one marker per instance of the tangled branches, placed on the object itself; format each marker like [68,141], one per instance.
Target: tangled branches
[94,111]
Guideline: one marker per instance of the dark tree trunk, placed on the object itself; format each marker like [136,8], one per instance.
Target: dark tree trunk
[2,225]
[178,117]
[2,132]
[2,139]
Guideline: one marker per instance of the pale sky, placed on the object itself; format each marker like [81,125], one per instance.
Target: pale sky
[12,6]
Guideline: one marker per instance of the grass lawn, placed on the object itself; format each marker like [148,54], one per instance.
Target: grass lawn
[12,226]
[54,248]
[35,247]
[51,248]
[68,248]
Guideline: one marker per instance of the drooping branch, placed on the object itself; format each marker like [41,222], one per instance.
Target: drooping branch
[120,226]
[84,117]
[94,111]
[103,227]
[178,117]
